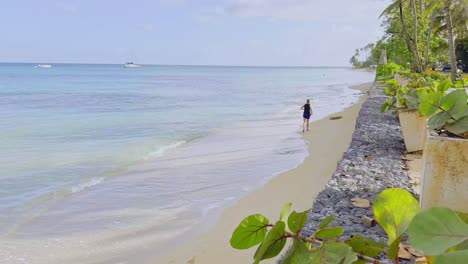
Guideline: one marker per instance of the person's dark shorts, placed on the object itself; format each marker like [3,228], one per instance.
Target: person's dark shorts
[306,115]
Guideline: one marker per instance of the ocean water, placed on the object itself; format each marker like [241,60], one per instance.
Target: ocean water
[99,158]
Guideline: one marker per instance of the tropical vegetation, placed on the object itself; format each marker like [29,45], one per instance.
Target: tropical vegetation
[419,34]
[438,234]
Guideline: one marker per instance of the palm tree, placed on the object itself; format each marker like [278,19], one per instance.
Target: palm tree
[451,39]
[411,41]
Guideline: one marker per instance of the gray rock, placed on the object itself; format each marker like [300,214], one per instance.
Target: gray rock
[377,134]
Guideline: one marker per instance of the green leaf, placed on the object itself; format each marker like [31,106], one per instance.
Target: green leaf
[458,127]
[285,211]
[366,246]
[329,232]
[438,120]
[296,221]
[250,232]
[412,100]
[326,221]
[394,209]
[390,8]
[436,230]
[456,257]
[444,85]
[273,244]
[429,103]
[332,253]
[455,103]
[393,249]
[297,254]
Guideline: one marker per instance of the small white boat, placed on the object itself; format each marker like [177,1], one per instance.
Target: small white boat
[131,65]
[44,66]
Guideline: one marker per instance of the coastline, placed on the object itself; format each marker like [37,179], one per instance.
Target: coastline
[330,137]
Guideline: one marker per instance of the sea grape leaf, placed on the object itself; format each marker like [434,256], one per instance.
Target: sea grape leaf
[444,85]
[458,127]
[455,257]
[297,254]
[250,232]
[329,232]
[273,244]
[438,120]
[412,99]
[325,222]
[285,211]
[455,103]
[394,209]
[387,105]
[429,103]
[296,221]
[435,230]
[332,253]
[393,248]
[366,246]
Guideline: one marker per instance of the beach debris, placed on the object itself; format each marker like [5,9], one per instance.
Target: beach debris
[369,157]
[192,261]
[413,251]
[405,167]
[367,221]
[335,117]
[404,158]
[361,203]
[421,260]
[403,253]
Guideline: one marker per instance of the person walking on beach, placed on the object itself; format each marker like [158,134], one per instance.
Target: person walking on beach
[307,113]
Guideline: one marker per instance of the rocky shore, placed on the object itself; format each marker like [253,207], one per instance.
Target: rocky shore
[371,163]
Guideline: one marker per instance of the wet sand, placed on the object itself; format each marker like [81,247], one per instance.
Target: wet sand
[328,140]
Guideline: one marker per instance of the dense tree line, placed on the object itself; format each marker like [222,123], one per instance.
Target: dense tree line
[420,33]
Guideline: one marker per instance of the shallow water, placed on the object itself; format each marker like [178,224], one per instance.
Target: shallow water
[102,153]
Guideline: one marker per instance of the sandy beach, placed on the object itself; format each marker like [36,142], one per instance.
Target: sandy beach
[327,140]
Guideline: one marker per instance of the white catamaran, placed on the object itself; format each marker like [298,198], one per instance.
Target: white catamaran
[131,65]
[43,66]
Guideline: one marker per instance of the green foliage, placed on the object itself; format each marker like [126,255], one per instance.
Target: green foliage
[331,253]
[329,232]
[436,230]
[394,209]
[430,102]
[439,232]
[297,254]
[273,244]
[250,232]
[297,220]
[446,111]
[366,246]
[285,211]
[387,71]
[325,222]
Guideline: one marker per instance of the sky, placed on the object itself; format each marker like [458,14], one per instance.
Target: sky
[188,32]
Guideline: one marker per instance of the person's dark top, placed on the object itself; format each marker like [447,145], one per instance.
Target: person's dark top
[307,109]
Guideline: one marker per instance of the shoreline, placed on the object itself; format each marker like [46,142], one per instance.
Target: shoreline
[331,137]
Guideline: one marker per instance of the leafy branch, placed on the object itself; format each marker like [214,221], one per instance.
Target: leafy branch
[438,232]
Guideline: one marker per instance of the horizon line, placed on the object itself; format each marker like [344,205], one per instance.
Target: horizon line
[187,65]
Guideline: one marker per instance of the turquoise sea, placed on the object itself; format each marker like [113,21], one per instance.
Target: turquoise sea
[96,158]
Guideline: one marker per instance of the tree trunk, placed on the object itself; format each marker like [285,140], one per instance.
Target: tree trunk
[451,41]
[418,65]
[429,36]
[407,37]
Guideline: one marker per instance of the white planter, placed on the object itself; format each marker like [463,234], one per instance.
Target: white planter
[445,173]
[413,128]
